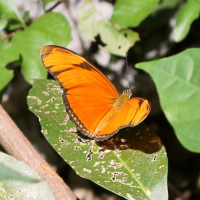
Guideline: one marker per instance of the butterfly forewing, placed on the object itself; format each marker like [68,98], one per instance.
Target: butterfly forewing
[88,95]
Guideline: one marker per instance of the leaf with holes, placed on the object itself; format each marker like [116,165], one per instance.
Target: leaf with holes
[132,164]
[110,38]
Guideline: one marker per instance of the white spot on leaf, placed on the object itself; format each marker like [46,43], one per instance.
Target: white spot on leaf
[86,170]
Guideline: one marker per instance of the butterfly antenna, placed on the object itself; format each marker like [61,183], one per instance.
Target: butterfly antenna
[127,69]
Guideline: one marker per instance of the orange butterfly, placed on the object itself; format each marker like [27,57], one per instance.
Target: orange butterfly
[92,101]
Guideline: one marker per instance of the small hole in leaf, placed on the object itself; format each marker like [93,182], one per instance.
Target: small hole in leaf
[154,158]
[99,41]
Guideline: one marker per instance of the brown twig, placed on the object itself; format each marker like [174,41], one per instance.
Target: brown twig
[17,145]
[54,6]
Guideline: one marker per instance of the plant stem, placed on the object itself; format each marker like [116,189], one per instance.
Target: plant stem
[17,145]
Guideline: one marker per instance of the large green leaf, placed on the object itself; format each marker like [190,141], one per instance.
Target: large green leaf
[18,181]
[132,164]
[129,13]
[51,28]
[177,80]
[186,15]
[94,27]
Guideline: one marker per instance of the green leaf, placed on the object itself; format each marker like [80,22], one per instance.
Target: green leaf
[130,13]
[7,54]
[8,173]
[51,28]
[19,181]
[186,15]
[177,81]
[135,168]
[26,16]
[8,10]
[3,23]
[92,25]
[6,77]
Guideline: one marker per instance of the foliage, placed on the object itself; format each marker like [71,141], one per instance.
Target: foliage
[131,13]
[186,15]
[113,40]
[179,75]
[20,181]
[120,171]
[149,31]
[26,44]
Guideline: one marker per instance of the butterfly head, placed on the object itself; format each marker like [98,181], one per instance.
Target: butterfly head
[128,92]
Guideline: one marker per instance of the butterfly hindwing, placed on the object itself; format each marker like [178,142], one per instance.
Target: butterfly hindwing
[133,112]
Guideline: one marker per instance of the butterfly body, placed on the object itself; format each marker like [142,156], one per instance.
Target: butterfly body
[118,103]
[91,100]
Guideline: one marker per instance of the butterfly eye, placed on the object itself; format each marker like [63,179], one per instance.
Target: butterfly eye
[128,92]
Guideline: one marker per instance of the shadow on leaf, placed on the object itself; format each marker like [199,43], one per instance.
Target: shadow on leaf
[140,138]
